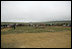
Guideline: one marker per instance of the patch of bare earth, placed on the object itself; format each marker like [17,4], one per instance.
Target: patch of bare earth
[37,40]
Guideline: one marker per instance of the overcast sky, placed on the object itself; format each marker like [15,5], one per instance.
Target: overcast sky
[35,11]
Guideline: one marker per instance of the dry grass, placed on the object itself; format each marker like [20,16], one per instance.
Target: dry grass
[5,29]
[37,40]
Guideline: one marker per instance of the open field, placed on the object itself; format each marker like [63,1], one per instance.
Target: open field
[31,37]
[35,24]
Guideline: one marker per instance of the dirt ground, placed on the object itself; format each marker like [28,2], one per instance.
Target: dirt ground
[37,40]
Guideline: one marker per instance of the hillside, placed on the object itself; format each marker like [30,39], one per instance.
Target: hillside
[54,22]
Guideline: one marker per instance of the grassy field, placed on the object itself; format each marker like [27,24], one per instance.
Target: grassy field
[31,37]
[27,29]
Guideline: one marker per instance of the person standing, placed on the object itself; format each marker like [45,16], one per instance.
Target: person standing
[14,26]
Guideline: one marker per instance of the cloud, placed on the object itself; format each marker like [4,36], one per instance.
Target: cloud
[32,11]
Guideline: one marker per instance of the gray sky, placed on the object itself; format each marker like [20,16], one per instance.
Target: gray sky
[35,11]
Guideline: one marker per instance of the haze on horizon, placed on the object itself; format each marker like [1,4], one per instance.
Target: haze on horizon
[35,11]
